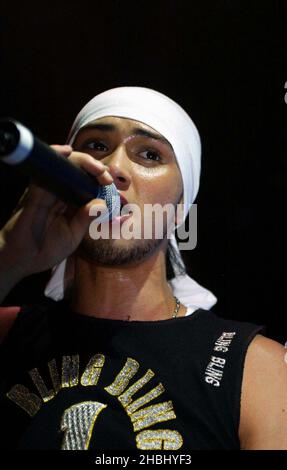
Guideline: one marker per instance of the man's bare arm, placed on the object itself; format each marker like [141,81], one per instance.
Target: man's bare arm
[263,422]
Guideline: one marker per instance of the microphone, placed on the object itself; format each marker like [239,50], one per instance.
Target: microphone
[51,171]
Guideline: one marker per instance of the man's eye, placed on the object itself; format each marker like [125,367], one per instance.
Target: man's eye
[151,155]
[96,145]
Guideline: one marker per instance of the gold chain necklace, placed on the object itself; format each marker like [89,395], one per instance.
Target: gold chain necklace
[177,307]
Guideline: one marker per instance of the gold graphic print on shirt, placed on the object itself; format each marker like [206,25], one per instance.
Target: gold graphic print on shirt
[79,420]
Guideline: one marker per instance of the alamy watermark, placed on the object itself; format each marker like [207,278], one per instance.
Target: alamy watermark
[147,223]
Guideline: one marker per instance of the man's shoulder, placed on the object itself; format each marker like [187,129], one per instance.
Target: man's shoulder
[219,323]
[264,396]
[265,358]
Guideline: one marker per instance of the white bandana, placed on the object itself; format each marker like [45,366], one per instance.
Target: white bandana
[171,121]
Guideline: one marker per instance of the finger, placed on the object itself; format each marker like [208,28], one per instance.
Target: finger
[94,167]
[81,220]
[65,150]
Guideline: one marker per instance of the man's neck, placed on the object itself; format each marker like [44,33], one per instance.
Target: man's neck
[135,292]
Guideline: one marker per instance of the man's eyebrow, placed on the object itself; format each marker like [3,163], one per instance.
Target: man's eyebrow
[100,127]
[151,135]
[136,131]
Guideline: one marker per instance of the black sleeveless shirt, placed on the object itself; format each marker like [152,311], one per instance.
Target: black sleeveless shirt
[70,381]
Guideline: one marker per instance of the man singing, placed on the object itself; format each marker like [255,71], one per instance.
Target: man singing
[124,355]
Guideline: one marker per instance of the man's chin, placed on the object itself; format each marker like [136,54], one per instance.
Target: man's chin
[118,252]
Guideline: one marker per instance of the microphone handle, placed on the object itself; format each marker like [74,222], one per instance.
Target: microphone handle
[50,170]
[58,175]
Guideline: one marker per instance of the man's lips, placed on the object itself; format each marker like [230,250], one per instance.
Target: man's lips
[123,200]
[121,218]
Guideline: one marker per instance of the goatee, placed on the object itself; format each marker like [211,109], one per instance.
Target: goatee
[111,253]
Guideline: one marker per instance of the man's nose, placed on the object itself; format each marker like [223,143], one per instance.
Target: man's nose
[119,166]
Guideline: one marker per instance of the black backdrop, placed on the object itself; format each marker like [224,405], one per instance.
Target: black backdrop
[225,63]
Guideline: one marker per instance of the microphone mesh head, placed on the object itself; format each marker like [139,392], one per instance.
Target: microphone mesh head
[110,194]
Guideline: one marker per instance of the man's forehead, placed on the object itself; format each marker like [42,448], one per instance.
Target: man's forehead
[120,121]
[116,123]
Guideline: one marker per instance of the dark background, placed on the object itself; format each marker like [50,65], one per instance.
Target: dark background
[225,63]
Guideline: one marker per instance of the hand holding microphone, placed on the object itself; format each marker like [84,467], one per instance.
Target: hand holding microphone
[19,148]
[39,234]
